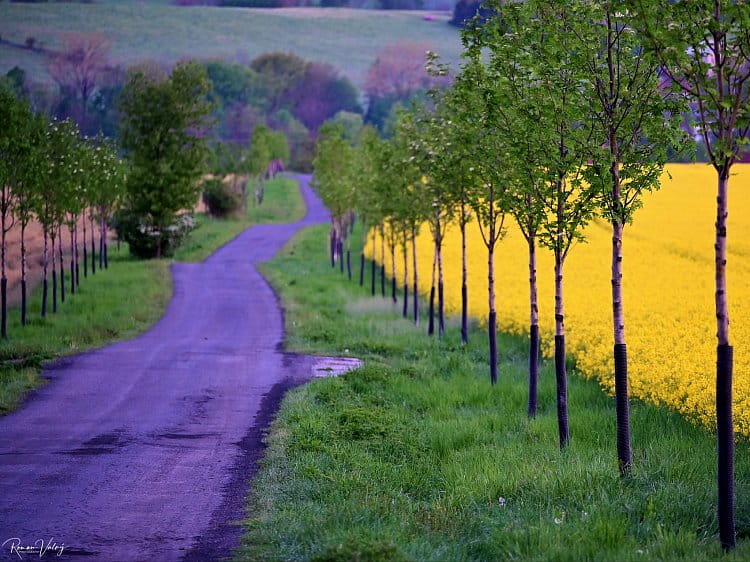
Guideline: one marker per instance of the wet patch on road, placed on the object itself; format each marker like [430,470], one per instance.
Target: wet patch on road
[104,444]
[335,366]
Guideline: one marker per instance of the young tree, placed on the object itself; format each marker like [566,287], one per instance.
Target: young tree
[434,156]
[705,49]
[18,140]
[558,111]
[89,183]
[413,202]
[367,203]
[27,194]
[333,166]
[637,120]
[457,165]
[258,158]
[514,86]
[451,163]
[161,131]
[59,154]
[109,191]
[74,207]
[475,100]
[405,200]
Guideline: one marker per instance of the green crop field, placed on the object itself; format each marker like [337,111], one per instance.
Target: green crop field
[346,38]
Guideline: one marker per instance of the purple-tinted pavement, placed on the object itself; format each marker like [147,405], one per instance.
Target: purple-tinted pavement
[142,450]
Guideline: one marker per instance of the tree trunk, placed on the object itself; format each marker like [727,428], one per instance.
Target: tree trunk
[102,236]
[93,248]
[23,273]
[106,253]
[431,312]
[620,352]
[394,299]
[405,311]
[72,262]
[560,368]
[362,261]
[724,367]
[382,263]
[533,331]
[75,245]
[54,272]
[464,284]
[333,246]
[361,269]
[103,257]
[45,287]
[62,262]
[492,318]
[3,288]
[85,250]
[340,252]
[415,276]
[441,297]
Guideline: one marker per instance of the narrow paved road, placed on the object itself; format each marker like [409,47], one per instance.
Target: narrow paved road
[142,450]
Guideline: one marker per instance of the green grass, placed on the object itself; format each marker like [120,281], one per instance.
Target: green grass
[348,39]
[104,310]
[416,456]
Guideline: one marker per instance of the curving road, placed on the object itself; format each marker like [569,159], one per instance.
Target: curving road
[142,450]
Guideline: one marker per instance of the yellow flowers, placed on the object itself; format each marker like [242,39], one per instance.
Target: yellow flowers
[668,279]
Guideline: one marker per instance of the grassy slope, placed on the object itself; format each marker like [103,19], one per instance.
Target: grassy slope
[348,39]
[104,311]
[417,456]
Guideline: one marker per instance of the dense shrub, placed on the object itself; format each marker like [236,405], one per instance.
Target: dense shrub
[144,239]
[221,199]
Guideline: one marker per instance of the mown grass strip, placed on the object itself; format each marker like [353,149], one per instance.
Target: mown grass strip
[119,302]
[417,457]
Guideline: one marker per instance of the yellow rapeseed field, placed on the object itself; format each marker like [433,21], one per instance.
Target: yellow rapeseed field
[668,286]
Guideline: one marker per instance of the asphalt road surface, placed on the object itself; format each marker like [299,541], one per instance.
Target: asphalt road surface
[143,450]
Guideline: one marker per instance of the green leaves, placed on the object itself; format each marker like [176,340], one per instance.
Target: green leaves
[705,51]
[334,170]
[163,133]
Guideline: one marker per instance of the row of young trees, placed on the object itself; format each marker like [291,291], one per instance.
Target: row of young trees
[67,182]
[564,110]
[49,173]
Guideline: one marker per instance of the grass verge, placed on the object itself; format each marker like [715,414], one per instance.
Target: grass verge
[416,457]
[104,310]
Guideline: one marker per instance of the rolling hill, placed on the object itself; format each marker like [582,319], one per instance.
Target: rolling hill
[346,38]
